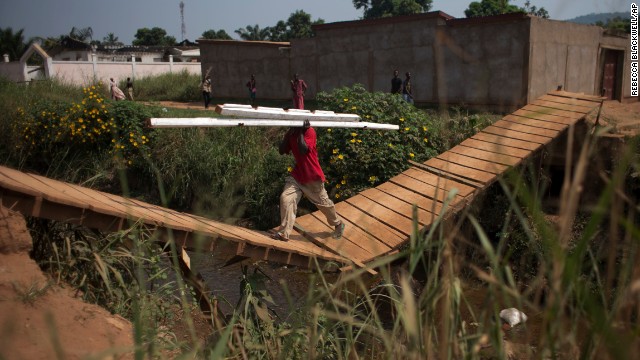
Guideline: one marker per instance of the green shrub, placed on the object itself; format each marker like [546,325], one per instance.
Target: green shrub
[90,127]
[357,159]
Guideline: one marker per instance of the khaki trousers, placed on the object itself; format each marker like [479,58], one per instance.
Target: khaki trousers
[290,197]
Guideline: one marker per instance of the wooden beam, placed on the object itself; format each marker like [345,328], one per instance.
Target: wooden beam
[215,122]
[262,112]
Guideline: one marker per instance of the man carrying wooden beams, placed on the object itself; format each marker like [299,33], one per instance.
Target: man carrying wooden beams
[306,178]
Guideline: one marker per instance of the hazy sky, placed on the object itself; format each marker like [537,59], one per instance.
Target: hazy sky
[123,17]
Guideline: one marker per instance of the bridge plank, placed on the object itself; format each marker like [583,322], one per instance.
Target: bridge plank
[460,170]
[550,111]
[544,116]
[587,105]
[537,123]
[375,228]
[411,197]
[438,181]
[560,106]
[392,203]
[570,95]
[486,155]
[392,219]
[542,140]
[319,232]
[526,128]
[474,163]
[411,183]
[496,148]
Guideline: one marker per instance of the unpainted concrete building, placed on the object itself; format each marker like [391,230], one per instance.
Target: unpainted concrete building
[500,62]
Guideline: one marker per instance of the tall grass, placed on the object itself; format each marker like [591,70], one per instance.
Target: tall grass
[181,86]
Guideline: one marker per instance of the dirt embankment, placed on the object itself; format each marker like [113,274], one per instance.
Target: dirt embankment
[39,320]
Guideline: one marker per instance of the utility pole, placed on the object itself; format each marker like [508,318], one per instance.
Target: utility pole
[183,28]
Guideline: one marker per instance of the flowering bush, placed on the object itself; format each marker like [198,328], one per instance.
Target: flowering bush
[92,125]
[355,159]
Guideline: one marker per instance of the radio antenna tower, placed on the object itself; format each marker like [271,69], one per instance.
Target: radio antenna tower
[183,27]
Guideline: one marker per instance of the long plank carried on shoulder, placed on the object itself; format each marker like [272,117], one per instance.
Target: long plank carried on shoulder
[262,112]
[266,116]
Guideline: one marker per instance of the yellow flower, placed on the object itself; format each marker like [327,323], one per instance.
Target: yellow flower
[359,141]
[353,140]
[130,134]
[354,134]
[289,169]
[80,120]
[391,145]
[328,130]
[425,140]
[406,129]
[335,151]
[337,196]
[343,181]
[401,119]
[424,128]
[353,108]
[337,186]
[340,157]
[346,100]
[411,155]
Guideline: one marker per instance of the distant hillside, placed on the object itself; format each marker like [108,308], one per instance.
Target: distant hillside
[592,18]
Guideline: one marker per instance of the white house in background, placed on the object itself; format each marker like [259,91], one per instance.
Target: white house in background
[79,63]
[70,49]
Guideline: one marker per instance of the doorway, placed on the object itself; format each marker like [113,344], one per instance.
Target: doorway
[612,74]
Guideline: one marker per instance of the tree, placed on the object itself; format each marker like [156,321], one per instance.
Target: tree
[385,8]
[532,10]
[497,7]
[297,26]
[616,24]
[278,32]
[253,33]
[82,34]
[212,34]
[12,43]
[153,37]
[111,40]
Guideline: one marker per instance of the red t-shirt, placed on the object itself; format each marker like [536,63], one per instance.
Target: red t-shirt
[307,168]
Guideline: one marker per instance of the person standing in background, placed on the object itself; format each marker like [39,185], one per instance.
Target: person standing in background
[130,88]
[116,93]
[251,84]
[206,91]
[407,91]
[298,86]
[396,83]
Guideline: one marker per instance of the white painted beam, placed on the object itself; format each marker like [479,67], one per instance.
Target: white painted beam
[215,122]
[262,112]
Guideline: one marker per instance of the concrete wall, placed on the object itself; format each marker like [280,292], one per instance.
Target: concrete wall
[83,72]
[483,62]
[230,64]
[564,54]
[499,62]
[367,52]
[12,71]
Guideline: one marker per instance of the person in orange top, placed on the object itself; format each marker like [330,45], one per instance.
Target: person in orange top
[306,178]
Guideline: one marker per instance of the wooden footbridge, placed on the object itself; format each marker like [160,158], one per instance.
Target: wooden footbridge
[378,220]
